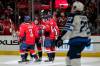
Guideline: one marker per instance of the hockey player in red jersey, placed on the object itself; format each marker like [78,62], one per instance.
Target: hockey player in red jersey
[51,32]
[27,39]
[38,37]
[53,36]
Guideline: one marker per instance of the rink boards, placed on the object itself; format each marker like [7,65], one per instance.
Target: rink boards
[10,46]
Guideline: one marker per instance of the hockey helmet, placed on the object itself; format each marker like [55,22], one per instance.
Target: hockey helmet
[27,18]
[77,6]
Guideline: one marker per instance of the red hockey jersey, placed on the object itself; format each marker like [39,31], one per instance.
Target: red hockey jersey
[27,33]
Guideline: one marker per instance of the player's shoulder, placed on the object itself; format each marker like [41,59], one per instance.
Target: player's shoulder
[81,16]
[24,24]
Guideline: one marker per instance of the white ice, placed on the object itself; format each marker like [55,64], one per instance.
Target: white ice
[59,61]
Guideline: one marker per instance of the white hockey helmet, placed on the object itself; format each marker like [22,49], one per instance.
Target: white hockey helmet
[77,6]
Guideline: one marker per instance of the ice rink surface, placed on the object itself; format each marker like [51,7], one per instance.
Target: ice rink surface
[59,61]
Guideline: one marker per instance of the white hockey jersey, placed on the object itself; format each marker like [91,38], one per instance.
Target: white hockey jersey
[76,26]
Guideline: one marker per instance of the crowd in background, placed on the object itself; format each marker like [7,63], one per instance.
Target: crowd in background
[8,11]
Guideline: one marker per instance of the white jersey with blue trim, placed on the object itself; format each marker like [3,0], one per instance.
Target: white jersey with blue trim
[76,26]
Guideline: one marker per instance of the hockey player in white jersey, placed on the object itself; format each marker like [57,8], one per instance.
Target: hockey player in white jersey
[78,33]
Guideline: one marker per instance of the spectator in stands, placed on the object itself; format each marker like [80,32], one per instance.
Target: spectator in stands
[62,19]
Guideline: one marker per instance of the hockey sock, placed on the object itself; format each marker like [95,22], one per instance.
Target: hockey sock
[23,57]
[53,56]
[49,56]
[26,54]
[40,54]
[68,61]
[31,55]
[76,62]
